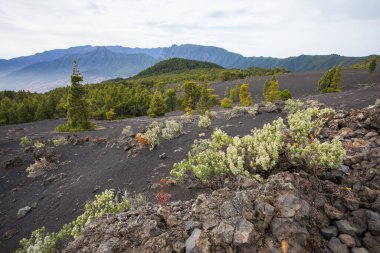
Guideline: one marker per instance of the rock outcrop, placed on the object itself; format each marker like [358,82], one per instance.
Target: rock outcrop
[333,211]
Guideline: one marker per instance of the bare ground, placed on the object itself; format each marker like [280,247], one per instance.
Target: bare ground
[88,169]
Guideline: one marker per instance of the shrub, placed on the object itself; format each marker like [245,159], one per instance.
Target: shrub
[226,103]
[25,141]
[241,110]
[105,203]
[110,115]
[157,106]
[294,105]
[219,139]
[372,65]
[377,102]
[127,131]
[210,114]
[187,118]
[330,81]
[142,140]
[285,95]
[39,145]
[38,168]
[204,122]
[253,110]
[171,130]
[152,135]
[67,128]
[59,141]
[245,96]
[271,90]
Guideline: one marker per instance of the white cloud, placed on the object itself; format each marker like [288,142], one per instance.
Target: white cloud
[250,27]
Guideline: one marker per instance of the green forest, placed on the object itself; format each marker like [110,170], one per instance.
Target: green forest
[121,98]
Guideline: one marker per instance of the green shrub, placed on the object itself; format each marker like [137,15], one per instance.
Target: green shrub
[259,152]
[59,141]
[66,128]
[39,145]
[285,95]
[204,122]
[226,103]
[210,114]
[127,131]
[171,130]
[110,115]
[25,141]
[43,241]
[294,105]
[152,135]
[245,96]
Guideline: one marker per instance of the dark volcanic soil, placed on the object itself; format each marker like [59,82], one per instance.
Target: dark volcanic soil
[91,168]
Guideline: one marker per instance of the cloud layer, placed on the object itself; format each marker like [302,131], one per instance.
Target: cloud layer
[251,27]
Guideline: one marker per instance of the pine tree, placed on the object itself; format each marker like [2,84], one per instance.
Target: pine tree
[266,89]
[205,100]
[77,113]
[335,81]
[245,96]
[273,90]
[372,65]
[171,100]
[157,105]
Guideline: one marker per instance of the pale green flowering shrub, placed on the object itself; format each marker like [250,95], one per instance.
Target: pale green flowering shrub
[266,144]
[219,139]
[235,156]
[59,141]
[187,118]
[152,135]
[39,145]
[127,131]
[253,110]
[294,105]
[377,102]
[45,242]
[171,130]
[25,141]
[204,122]
[210,114]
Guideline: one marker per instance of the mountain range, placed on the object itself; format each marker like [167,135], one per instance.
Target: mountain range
[50,69]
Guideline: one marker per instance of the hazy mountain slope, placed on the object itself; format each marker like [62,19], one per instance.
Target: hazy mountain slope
[52,68]
[97,65]
[175,65]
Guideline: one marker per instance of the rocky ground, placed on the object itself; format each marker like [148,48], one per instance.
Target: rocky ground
[94,161]
[331,211]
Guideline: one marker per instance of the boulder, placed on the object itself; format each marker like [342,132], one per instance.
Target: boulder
[346,227]
[371,243]
[243,233]
[348,240]
[191,241]
[23,211]
[373,222]
[223,233]
[336,246]
[329,232]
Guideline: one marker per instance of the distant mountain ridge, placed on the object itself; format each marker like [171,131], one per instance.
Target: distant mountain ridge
[50,69]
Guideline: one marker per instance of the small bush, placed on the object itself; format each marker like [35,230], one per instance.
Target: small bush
[226,103]
[294,105]
[127,131]
[25,141]
[285,95]
[171,130]
[59,141]
[110,115]
[38,168]
[105,203]
[152,135]
[204,122]
[187,118]
[210,114]
[39,145]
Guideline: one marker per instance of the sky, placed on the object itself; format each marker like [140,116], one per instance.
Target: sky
[277,28]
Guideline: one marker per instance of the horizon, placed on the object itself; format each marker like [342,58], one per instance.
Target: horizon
[277,29]
[137,47]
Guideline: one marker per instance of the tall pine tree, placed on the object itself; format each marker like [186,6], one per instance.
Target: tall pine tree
[77,113]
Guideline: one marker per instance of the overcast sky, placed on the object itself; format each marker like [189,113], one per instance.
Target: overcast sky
[251,27]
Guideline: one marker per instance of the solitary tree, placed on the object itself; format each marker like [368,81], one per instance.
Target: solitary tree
[266,90]
[77,113]
[372,65]
[157,105]
[245,96]
[330,81]
[273,92]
